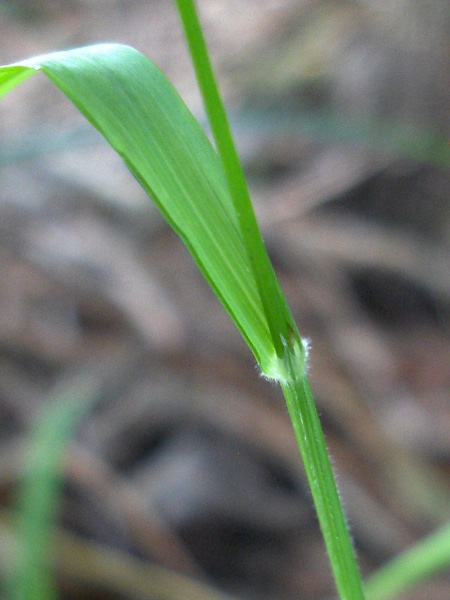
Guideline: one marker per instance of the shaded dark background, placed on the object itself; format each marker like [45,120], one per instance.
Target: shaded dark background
[187,460]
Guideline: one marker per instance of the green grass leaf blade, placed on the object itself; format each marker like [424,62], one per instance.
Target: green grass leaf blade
[417,564]
[127,98]
[12,76]
[39,491]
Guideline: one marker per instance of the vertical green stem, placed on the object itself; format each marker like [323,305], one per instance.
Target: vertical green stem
[286,339]
[321,480]
[278,315]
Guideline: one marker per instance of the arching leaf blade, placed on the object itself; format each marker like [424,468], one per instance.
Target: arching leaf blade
[128,99]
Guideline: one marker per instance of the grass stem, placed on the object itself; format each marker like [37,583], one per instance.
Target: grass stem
[311,442]
[285,336]
[278,315]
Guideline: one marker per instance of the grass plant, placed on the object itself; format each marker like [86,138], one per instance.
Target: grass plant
[202,193]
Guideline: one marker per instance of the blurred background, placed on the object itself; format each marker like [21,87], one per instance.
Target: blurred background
[185,458]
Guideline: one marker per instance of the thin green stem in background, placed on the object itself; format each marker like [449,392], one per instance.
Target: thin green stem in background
[39,492]
[424,559]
